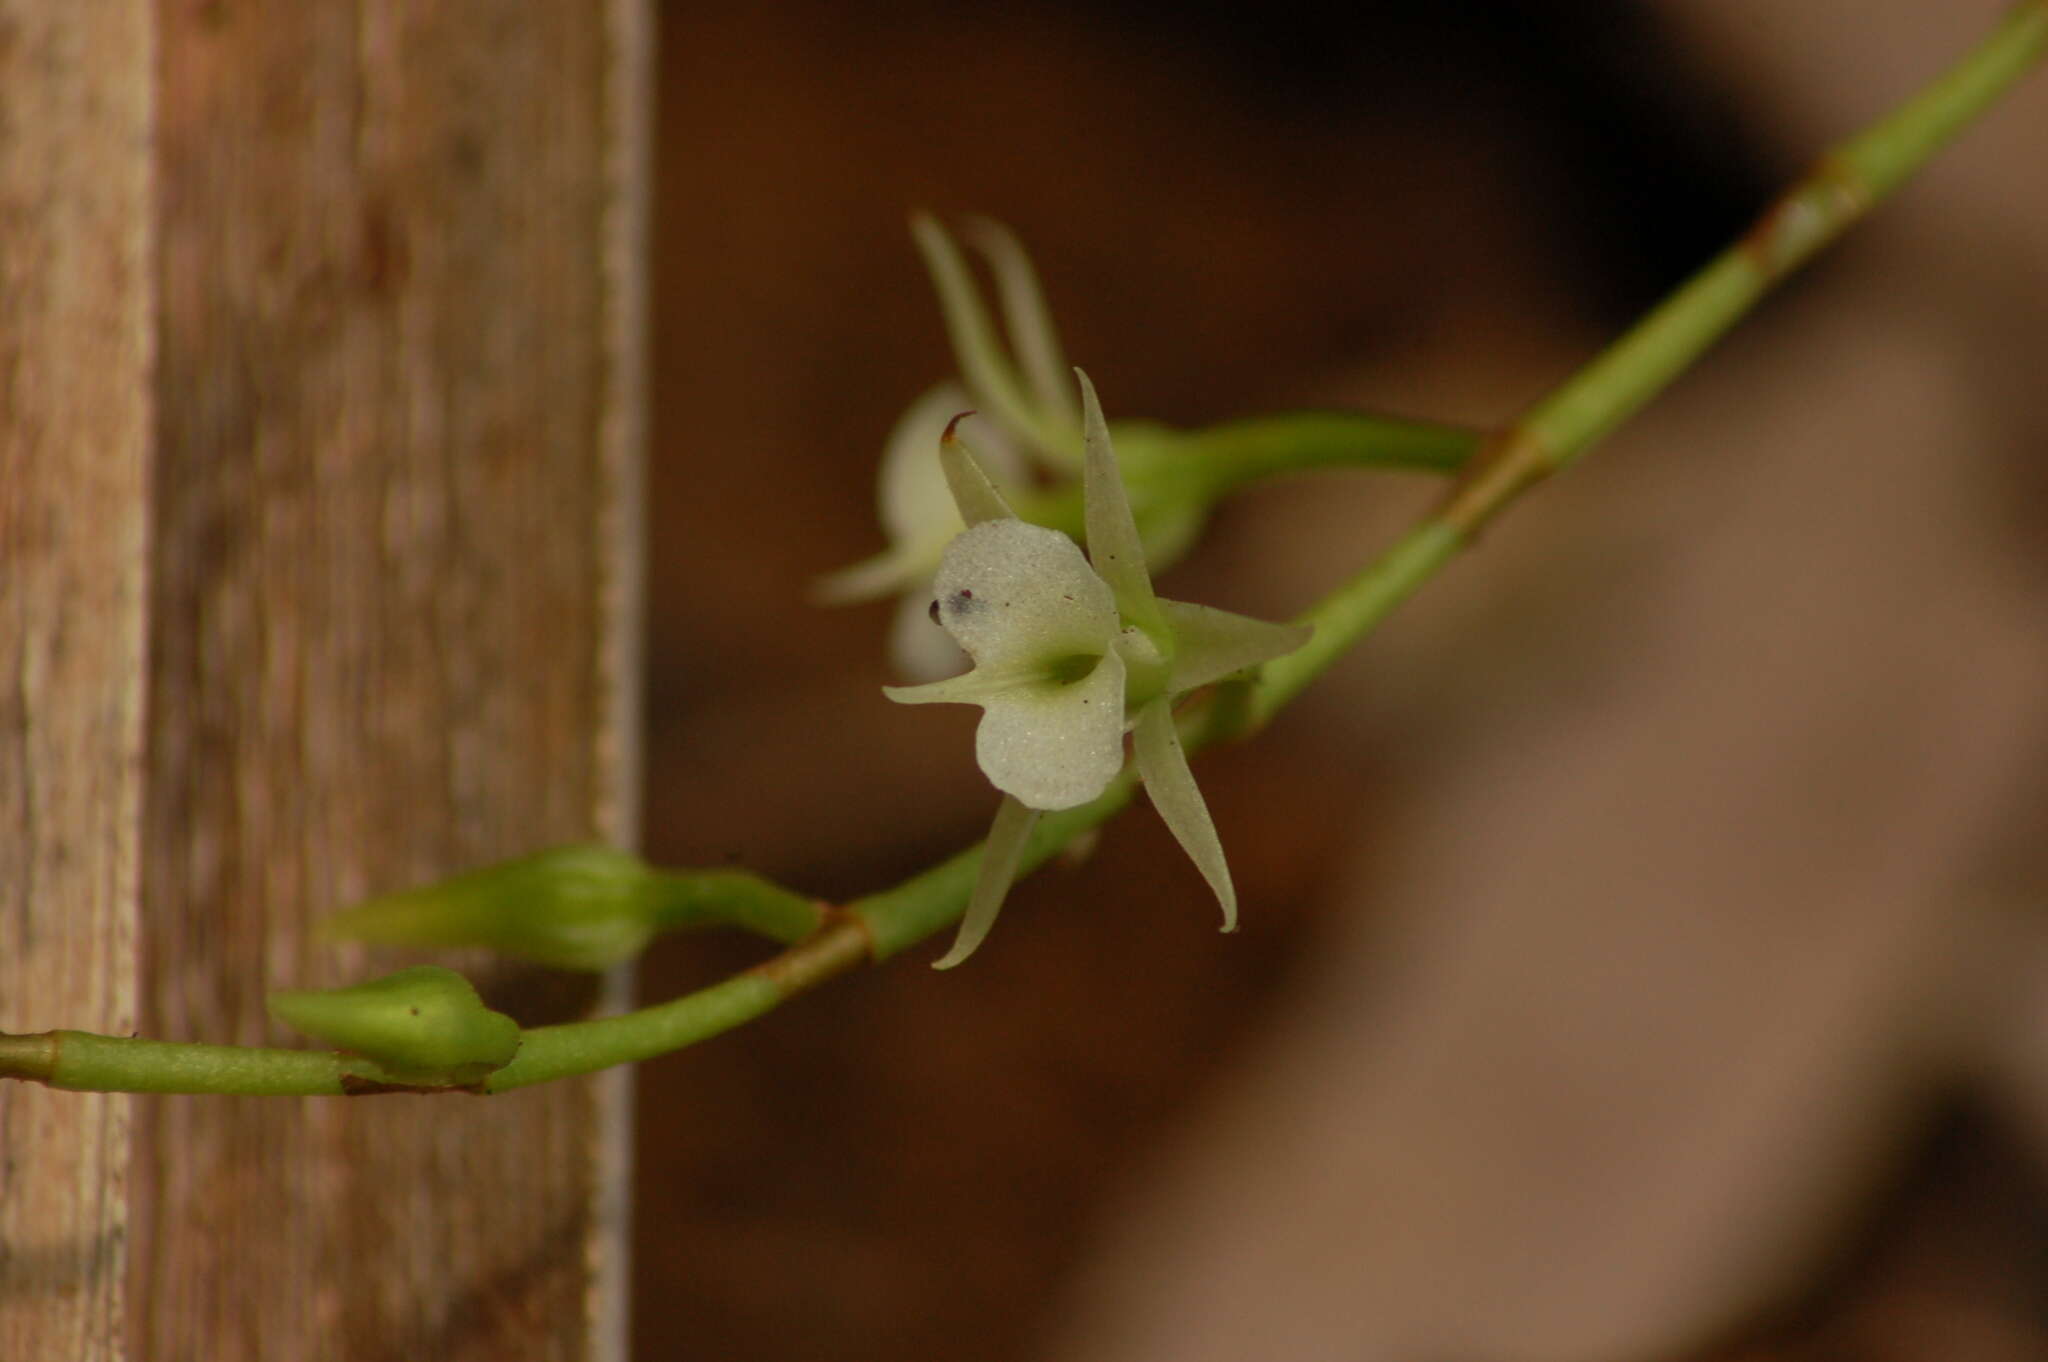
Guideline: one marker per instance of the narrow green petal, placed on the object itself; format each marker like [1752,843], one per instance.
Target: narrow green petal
[1114,549]
[974,492]
[1210,644]
[1163,765]
[1033,338]
[983,364]
[999,858]
[977,687]
[895,569]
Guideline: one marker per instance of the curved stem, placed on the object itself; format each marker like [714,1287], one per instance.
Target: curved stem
[1550,436]
[1225,457]
[1216,460]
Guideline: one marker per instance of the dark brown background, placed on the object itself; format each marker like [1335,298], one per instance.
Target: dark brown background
[1437,208]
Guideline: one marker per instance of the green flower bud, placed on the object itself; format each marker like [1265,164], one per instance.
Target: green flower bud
[425,1023]
[576,907]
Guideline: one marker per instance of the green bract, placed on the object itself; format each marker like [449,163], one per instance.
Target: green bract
[1070,653]
[425,1023]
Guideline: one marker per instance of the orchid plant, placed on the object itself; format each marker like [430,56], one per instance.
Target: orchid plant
[1069,653]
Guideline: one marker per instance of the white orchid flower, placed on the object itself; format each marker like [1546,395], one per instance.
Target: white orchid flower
[1070,653]
[917,514]
[1016,376]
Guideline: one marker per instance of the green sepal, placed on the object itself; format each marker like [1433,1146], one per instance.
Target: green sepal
[1210,644]
[425,1023]
[974,491]
[1000,856]
[1114,549]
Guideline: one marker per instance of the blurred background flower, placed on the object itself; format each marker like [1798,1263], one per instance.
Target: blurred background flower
[1643,948]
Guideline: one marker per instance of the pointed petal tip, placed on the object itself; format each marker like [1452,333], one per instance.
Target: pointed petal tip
[868,580]
[952,427]
[923,693]
[965,689]
[1000,854]
[975,494]
[1091,405]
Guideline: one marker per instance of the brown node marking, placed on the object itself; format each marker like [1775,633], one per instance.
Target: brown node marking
[1514,457]
[1832,190]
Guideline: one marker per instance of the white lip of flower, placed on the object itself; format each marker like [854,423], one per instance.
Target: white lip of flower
[1069,652]
[1034,422]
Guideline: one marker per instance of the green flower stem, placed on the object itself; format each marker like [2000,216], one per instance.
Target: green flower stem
[1226,457]
[85,1062]
[1351,611]
[1557,430]
[1841,187]
[1203,466]
[1549,437]
[551,1052]
[733,898]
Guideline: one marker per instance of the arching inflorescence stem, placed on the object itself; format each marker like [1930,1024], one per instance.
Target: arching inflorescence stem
[1843,185]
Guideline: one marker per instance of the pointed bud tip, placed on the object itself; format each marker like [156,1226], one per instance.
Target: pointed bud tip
[585,906]
[424,1020]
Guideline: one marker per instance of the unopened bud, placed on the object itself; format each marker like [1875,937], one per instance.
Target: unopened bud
[575,907]
[425,1022]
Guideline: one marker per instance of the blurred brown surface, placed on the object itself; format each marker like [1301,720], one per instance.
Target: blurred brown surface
[1440,213]
[76,315]
[316,463]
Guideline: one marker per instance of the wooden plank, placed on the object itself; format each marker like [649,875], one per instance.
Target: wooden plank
[75,332]
[390,625]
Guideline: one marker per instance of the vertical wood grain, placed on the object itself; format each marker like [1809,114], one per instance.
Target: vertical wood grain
[74,421]
[391,626]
